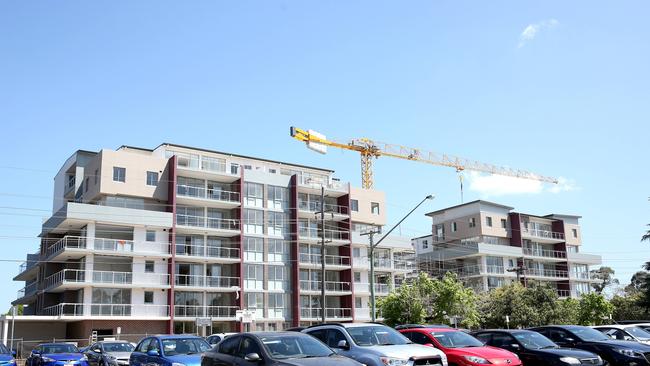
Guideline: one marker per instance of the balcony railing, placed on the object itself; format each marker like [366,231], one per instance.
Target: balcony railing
[207,251]
[544,234]
[207,194]
[380,288]
[28,290]
[383,263]
[207,222]
[76,309]
[106,244]
[315,233]
[106,277]
[312,206]
[404,265]
[193,311]
[330,260]
[330,313]
[546,253]
[73,242]
[182,280]
[549,273]
[581,275]
[563,293]
[317,182]
[333,286]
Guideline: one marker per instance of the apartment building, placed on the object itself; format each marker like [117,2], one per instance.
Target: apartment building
[150,240]
[484,242]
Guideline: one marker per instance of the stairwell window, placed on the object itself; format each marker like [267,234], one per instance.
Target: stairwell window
[454,227]
[504,223]
[148,297]
[152,178]
[149,266]
[472,222]
[151,235]
[574,232]
[119,174]
[374,208]
[354,205]
[425,244]
[488,221]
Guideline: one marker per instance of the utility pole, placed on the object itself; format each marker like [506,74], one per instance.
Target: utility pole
[13,323]
[322,253]
[520,271]
[371,253]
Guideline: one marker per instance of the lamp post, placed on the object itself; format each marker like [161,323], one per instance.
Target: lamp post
[371,254]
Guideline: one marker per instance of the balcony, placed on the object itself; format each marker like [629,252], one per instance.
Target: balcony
[307,209]
[404,265]
[330,313]
[544,253]
[330,286]
[212,282]
[330,260]
[383,263]
[27,269]
[314,184]
[480,270]
[315,234]
[112,278]
[547,273]
[107,310]
[380,288]
[115,246]
[202,311]
[215,198]
[28,290]
[544,235]
[230,227]
[196,167]
[202,251]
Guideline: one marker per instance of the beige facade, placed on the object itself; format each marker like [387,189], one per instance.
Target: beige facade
[366,200]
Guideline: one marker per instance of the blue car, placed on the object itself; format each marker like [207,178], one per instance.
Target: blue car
[169,350]
[7,357]
[56,354]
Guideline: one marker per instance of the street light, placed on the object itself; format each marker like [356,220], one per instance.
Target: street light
[371,254]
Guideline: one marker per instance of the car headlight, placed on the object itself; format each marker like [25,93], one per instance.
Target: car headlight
[476,359]
[570,360]
[47,359]
[627,352]
[83,358]
[177,364]
[389,361]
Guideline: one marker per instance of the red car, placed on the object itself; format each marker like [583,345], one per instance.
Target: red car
[461,348]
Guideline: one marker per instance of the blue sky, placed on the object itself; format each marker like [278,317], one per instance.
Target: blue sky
[556,87]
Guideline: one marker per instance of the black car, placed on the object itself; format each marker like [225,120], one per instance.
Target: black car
[273,348]
[615,352]
[534,349]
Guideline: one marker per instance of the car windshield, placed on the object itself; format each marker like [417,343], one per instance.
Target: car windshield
[184,346]
[534,340]
[3,349]
[588,334]
[59,348]
[638,332]
[289,346]
[118,347]
[456,339]
[374,335]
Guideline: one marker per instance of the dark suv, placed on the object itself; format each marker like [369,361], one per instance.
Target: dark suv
[615,352]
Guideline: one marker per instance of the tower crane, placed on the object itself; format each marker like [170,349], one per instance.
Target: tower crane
[369,150]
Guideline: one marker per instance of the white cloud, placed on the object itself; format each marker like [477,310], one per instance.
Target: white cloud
[488,185]
[530,32]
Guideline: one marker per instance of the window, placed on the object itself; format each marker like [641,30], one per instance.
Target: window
[572,248]
[276,306]
[234,169]
[357,303]
[425,244]
[454,227]
[504,223]
[254,194]
[247,346]
[354,205]
[419,338]
[152,178]
[278,251]
[148,297]
[119,174]
[253,249]
[149,266]
[254,276]
[253,222]
[440,232]
[229,346]
[277,277]
[374,208]
[278,224]
[255,301]
[574,232]
[278,197]
[488,221]
[356,252]
[357,277]
[96,175]
[472,222]
[334,336]
[151,235]
[86,184]
[144,345]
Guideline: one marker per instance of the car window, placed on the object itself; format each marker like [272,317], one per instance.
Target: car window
[502,339]
[534,340]
[154,345]
[585,334]
[247,346]
[59,348]
[117,347]
[455,339]
[484,337]
[184,346]
[319,334]
[229,345]
[144,345]
[334,336]
[214,339]
[559,335]
[373,335]
[419,338]
[638,332]
[298,346]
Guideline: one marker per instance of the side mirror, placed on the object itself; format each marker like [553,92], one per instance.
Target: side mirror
[13,353]
[98,350]
[36,352]
[153,353]
[429,344]
[343,344]
[252,357]
[515,346]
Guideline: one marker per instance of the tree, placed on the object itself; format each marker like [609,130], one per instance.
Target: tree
[568,311]
[409,304]
[637,283]
[627,307]
[606,277]
[507,300]
[19,310]
[646,236]
[452,299]
[594,309]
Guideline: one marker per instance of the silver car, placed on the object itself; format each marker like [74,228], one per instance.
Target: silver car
[375,345]
[109,353]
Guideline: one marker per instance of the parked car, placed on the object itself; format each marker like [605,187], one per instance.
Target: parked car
[408,326]
[625,332]
[169,350]
[613,351]
[295,329]
[644,326]
[375,344]
[7,356]
[534,349]
[217,337]
[109,353]
[56,354]
[273,349]
[460,347]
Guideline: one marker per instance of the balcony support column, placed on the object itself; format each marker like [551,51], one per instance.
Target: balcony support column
[90,235]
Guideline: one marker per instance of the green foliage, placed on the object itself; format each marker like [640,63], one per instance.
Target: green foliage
[506,300]
[605,275]
[408,304]
[627,307]
[452,299]
[567,312]
[19,310]
[594,309]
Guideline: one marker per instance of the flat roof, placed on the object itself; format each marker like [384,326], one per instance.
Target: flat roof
[470,203]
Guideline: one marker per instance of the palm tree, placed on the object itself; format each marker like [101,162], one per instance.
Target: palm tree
[646,236]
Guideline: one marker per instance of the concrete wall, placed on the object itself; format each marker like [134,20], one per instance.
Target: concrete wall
[365,197]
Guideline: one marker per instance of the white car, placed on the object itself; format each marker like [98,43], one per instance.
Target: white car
[625,332]
[217,337]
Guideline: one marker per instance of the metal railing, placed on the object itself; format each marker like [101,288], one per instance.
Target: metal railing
[315,233]
[331,313]
[317,182]
[550,273]
[207,251]
[380,288]
[69,241]
[545,234]
[581,275]
[207,193]
[193,311]
[105,244]
[105,277]
[66,275]
[207,222]
[330,260]
[404,265]
[206,281]
[119,278]
[546,253]
[333,286]
[28,290]
[314,206]
[77,309]
[383,263]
